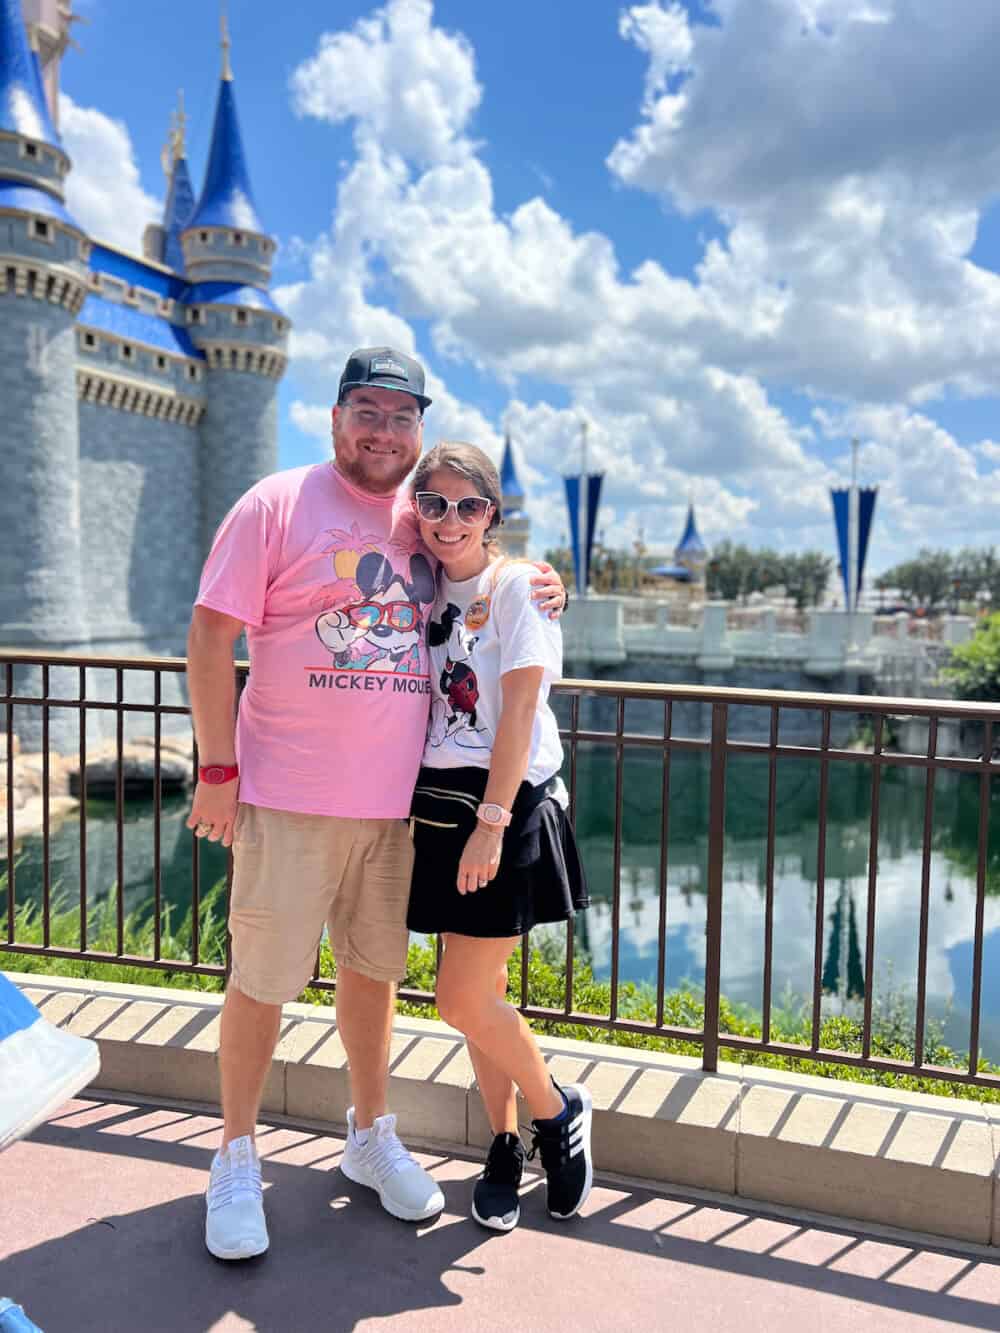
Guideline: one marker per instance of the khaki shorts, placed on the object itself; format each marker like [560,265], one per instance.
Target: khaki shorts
[294,873]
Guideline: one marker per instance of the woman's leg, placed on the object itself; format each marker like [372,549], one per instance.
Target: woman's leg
[495,1087]
[467,998]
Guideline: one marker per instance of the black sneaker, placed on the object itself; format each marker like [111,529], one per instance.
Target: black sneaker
[565,1148]
[494,1200]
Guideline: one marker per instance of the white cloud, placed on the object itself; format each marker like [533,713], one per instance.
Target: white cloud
[844,270]
[413,85]
[103,189]
[851,158]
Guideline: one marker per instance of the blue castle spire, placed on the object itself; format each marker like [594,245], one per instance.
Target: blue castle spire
[690,543]
[510,487]
[227,199]
[24,109]
[176,214]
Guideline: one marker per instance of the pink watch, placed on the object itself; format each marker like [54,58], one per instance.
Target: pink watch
[494,815]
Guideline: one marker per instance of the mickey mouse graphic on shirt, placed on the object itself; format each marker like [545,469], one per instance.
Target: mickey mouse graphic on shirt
[454,716]
[382,625]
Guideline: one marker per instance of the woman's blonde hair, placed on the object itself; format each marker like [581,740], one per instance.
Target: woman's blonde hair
[469,461]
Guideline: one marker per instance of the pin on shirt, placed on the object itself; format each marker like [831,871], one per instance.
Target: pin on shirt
[478,613]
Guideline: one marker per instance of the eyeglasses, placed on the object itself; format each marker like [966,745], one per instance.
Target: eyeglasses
[433,508]
[400,423]
[398,615]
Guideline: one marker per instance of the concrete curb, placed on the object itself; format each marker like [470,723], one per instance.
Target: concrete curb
[906,1160]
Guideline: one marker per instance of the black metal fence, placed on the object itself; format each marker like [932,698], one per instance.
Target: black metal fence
[612,719]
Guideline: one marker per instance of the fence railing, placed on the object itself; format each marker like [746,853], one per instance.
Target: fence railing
[605,727]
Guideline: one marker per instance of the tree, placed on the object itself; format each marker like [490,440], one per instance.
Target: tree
[927,580]
[734,572]
[806,576]
[974,668]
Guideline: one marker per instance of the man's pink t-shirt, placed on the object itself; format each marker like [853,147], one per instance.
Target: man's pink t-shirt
[334,587]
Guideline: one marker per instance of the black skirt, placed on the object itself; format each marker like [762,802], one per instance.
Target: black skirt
[540,878]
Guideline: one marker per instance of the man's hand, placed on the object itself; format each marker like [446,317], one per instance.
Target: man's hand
[550,591]
[213,811]
[480,858]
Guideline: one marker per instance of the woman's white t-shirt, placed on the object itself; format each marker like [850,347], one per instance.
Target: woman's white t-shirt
[481,628]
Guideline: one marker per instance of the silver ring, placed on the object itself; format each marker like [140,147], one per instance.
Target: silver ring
[201,829]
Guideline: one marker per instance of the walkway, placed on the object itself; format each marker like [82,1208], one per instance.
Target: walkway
[100,1232]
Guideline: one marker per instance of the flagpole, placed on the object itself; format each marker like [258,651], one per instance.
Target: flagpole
[584,508]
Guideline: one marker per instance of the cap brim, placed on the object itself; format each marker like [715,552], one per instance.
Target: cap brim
[385,384]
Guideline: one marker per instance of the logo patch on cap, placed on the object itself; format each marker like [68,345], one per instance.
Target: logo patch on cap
[385,365]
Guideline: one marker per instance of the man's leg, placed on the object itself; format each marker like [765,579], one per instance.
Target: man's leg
[364,1020]
[247,1038]
[369,937]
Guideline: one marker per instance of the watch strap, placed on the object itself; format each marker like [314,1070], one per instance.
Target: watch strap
[494,816]
[217,774]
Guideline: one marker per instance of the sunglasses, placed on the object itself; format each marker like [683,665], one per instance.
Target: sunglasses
[433,508]
[397,615]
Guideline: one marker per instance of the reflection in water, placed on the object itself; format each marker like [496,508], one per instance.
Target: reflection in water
[900,834]
[684,820]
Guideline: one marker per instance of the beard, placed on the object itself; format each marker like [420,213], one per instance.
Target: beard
[378,477]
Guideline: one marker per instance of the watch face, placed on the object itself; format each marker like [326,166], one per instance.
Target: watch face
[492,814]
[216,775]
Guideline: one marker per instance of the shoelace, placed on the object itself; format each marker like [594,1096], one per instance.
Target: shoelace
[553,1144]
[232,1181]
[386,1155]
[503,1166]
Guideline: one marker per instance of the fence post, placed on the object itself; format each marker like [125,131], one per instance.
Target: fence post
[716,857]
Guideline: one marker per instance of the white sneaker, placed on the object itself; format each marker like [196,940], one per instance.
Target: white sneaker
[41,1066]
[383,1164]
[234,1219]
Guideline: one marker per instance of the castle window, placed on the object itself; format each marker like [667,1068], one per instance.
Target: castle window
[238,238]
[41,230]
[192,372]
[279,325]
[241,317]
[30,150]
[89,340]
[203,237]
[161,363]
[195,315]
[128,352]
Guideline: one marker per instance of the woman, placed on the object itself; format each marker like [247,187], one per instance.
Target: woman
[494,852]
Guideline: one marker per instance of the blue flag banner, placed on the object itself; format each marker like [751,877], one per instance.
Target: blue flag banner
[841,508]
[593,503]
[866,512]
[573,504]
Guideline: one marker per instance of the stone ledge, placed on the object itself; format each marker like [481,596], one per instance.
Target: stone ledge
[897,1159]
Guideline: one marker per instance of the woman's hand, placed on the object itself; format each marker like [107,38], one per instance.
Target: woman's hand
[549,591]
[480,858]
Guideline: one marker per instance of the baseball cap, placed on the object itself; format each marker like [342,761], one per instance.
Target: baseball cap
[384,368]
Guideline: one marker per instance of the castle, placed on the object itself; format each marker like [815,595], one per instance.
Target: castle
[139,392]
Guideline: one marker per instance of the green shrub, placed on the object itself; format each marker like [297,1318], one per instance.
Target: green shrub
[892,1027]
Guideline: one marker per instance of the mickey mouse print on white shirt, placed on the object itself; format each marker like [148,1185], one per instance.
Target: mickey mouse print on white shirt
[479,629]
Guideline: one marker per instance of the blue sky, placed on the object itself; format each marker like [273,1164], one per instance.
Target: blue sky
[732,234]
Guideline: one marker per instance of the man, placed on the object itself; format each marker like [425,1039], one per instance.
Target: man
[324,567]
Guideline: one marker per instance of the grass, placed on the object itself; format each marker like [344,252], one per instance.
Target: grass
[892,1025]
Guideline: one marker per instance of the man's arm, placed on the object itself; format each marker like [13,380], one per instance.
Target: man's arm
[212,684]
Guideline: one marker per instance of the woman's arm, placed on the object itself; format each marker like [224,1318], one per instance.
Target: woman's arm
[508,765]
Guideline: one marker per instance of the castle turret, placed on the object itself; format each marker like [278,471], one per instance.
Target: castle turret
[690,551]
[161,241]
[516,523]
[232,319]
[43,275]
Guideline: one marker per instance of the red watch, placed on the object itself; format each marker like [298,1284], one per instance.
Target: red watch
[216,774]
